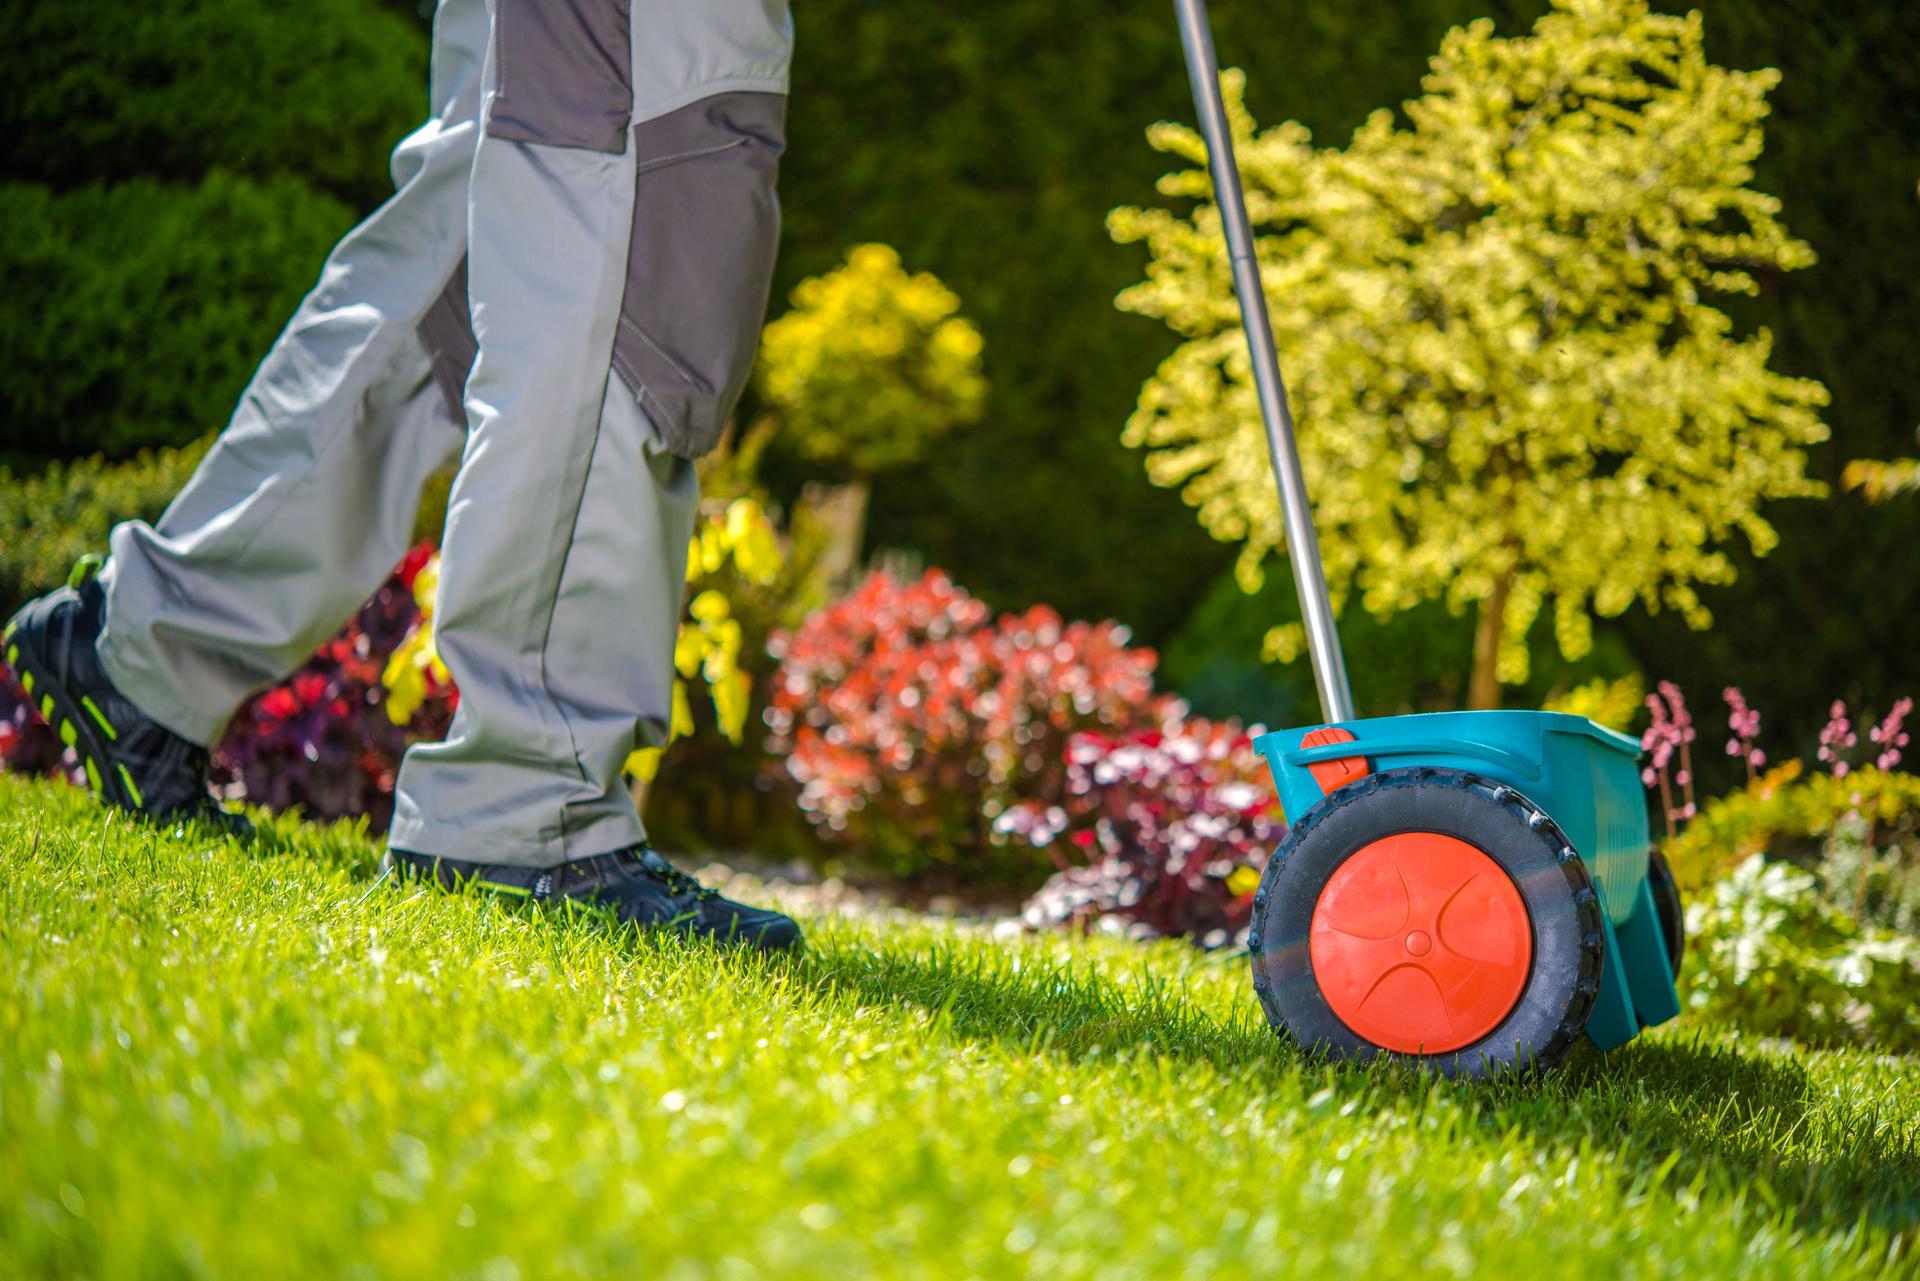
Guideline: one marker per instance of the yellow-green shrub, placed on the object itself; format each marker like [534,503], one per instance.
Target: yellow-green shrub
[1615,704]
[1785,808]
[1502,326]
[871,365]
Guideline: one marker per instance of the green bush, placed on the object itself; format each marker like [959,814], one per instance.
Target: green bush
[321,89]
[1801,907]
[49,520]
[135,312]
[1768,953]
[176,173]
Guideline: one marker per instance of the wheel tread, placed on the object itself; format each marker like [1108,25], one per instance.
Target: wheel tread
[1573,1021]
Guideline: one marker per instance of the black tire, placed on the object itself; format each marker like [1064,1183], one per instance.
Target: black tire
[1667,904]
[1568,944]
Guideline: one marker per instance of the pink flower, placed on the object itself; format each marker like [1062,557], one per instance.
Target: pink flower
[1677,707]
[1744,722]
[1662,736]
[1837,738]
[1669,731]
[1890,735]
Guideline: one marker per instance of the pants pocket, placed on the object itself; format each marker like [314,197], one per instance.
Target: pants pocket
[706,229]
[563,73]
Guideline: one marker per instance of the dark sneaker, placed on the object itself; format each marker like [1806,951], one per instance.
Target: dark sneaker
[637,885]
[131,760]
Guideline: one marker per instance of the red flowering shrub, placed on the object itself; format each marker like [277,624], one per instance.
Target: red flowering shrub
[1176,825]
[910,719]
[320,740]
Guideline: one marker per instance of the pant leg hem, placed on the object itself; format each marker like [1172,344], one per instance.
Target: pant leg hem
[604,835]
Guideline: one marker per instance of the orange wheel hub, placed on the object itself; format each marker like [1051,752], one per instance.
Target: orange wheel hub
[1420,943]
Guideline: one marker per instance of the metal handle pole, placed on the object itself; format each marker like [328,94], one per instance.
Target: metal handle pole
[1323,640]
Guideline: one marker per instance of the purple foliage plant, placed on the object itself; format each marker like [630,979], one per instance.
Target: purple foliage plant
[321,740]
[1174,824]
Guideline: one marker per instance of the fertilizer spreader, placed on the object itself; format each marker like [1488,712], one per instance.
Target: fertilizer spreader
[1469,890]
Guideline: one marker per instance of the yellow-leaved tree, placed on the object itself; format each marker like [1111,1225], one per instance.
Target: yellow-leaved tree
[1497,320]
[870,367]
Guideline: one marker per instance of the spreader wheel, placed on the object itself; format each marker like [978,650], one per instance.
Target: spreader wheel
[1430,914]
[1666,902]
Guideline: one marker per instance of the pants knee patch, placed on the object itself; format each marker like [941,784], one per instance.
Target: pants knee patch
[706,230]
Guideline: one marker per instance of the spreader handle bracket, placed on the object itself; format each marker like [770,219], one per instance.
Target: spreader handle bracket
[1309,578]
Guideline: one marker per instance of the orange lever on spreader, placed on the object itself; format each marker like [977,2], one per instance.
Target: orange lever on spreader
[1334,774]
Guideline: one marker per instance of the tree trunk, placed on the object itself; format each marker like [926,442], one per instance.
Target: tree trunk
[843,512]
[1483,689]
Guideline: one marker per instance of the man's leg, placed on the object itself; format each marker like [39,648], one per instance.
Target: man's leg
[308,499]
[300,509]
[622,231]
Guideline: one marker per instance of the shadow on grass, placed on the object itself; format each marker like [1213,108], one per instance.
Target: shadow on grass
[1680,1114]
[1790,1140]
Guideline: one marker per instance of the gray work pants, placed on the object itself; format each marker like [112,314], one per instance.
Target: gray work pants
[564,293]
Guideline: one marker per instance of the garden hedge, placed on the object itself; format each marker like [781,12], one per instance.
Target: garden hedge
[321,89]
[50,519]
[137,310]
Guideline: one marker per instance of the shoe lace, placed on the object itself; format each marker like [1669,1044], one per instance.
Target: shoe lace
[651,862]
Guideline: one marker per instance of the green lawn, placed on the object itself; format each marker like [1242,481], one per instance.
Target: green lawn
[215,1063]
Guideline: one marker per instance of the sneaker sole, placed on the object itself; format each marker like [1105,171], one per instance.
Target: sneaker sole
[785,940]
